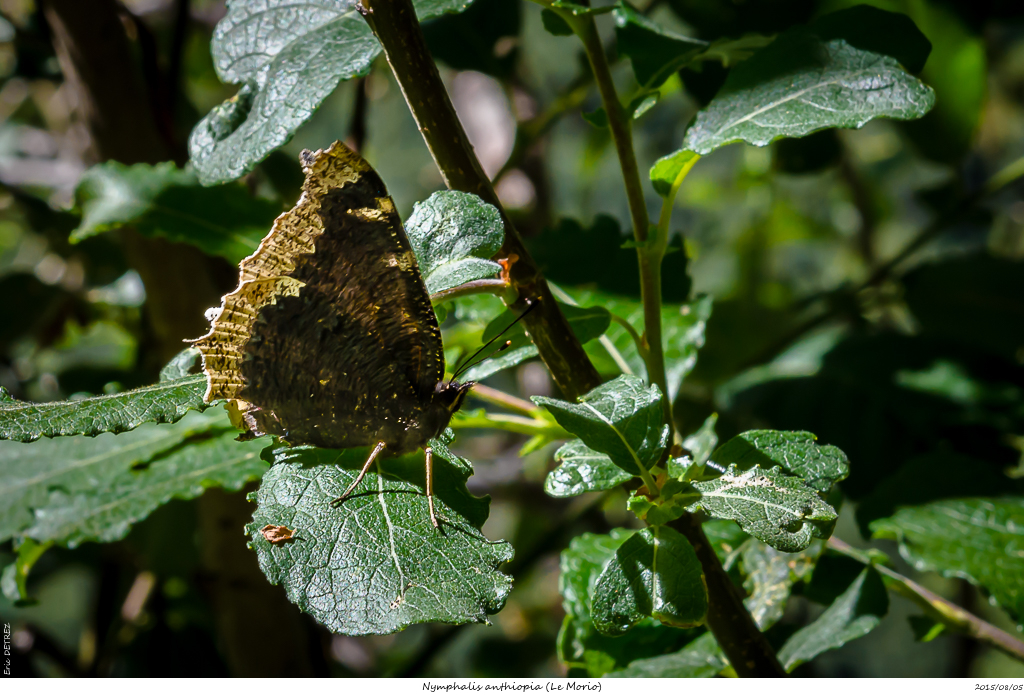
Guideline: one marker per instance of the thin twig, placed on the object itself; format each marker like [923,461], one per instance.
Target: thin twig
[504,400]
[939,609]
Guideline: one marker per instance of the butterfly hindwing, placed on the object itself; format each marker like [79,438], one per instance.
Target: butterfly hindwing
[330,338]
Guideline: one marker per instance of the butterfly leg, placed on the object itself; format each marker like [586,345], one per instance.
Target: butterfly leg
[359,478]
[430,485]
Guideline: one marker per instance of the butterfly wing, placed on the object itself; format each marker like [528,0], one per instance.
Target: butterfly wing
[330,338]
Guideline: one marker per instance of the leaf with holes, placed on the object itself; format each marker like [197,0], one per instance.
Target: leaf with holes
[454,235]
[581,469]
[979,539]
[798,85]
[623,418]
[779,509]
[288,57]
[798,453]
[375,564]
[656,574]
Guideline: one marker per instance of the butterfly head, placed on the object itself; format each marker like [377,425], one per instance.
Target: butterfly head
[450,395]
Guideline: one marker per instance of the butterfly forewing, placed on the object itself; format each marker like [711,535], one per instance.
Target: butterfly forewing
[330,338]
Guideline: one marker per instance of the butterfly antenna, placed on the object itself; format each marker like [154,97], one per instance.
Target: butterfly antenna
[466,364]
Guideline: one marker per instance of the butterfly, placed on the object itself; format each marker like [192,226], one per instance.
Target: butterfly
[330,338]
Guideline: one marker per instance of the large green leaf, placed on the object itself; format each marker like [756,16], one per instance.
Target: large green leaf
[288,57]
[701,658]
[375,564]
[854,614]
[778,509]
[165,402]
[161,200]
[981,540]
[580,646]
[69,489]
[125,495]
[656,54]
[798,85]
[656,574]
[623,418]
[454,235]
[796,452]
[581,469]
[770,576]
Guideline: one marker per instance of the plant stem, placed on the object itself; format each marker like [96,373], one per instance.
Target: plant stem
[939,609]
[734,628]
[504,400]
[649,251]
[493,286]
[395,25]
[508,423]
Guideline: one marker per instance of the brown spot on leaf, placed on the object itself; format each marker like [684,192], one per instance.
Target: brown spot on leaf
[277,535]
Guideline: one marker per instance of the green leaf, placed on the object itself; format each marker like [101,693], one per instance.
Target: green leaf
[854,614]
[165,402]
[454,235]
[554,24]
[924,628]
[580,645]
[126,495]
[597,118]
[655,573]
[14,582]
[288,57]
[581,469]
[595,256]
[872,29]
[642,104]
[76,475]
[161,200]
[778,509]
[623,418]
[701,658]
[665,170]
[796,452]
[654,52]
[587,323]
[977,539]
[582,563]
[375,564]
[702,442]
[770,576]
[798,85]
[181,365]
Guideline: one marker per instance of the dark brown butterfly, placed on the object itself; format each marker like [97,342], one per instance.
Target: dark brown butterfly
[330,338]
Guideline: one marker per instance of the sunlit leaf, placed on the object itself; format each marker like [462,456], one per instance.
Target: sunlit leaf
[375,564]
